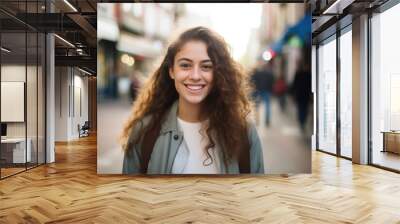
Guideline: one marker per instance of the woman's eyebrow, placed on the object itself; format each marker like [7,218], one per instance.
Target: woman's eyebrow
[207,60]
[187,59]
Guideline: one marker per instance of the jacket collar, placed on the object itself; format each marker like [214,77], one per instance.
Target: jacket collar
[171,120]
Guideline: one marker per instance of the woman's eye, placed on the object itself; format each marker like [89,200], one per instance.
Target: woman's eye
[184,66]
[207,67]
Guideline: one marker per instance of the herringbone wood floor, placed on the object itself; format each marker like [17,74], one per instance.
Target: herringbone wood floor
[70,191]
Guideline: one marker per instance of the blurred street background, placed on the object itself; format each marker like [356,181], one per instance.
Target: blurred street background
[270,40]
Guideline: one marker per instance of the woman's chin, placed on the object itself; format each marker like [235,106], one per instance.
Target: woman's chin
[194,99]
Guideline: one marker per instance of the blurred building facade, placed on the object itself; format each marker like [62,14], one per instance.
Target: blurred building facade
[276,19]
[142,34]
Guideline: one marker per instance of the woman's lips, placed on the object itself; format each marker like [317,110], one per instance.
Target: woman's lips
[194,88]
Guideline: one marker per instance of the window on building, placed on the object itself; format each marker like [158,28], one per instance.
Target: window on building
[327,96]
[385,88]
[346,93]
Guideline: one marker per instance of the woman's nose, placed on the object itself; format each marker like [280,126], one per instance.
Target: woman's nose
[196,73]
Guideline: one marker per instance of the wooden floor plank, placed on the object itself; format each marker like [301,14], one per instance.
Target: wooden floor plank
[70,191]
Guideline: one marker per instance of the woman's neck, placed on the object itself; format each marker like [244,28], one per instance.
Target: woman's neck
[189,112]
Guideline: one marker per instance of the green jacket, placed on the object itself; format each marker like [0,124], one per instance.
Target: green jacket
[167,145]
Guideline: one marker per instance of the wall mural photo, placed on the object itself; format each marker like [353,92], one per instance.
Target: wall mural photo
[196,89]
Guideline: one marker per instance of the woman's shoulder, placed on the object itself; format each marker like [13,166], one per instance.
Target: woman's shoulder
[256,151]
[251,127]
[143,122]
[254,138]
[138,127]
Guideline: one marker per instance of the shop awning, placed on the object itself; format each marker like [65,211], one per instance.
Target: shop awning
[138,45]
[107,29]
[302,30]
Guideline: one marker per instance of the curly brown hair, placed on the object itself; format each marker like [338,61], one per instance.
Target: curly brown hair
[227,105]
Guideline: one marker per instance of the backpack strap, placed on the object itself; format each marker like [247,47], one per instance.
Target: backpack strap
[149,140]
[244,156]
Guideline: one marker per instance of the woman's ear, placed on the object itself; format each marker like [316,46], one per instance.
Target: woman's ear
[171,74]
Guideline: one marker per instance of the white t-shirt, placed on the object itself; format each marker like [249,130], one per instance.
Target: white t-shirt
[192,157]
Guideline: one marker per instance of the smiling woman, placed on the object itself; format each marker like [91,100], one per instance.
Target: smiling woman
[193,76]
[192,116]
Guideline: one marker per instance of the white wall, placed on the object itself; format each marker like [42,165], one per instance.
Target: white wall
[12,73]
[12,101]
[33,126]
[80,83]
[71,93]
[62,80]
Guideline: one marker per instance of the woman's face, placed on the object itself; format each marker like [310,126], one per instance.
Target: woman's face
[192,72]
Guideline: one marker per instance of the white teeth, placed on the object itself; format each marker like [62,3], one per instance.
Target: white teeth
[194,87]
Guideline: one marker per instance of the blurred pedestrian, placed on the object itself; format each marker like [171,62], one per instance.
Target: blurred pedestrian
[301,91]
[263,81]
[191,117]
[279,89]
